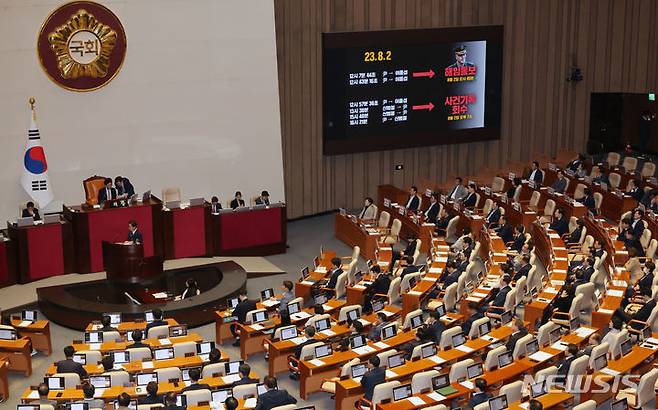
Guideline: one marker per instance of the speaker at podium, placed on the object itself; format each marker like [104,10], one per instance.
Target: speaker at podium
[125,263]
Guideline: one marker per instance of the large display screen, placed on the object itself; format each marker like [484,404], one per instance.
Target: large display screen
[406,88]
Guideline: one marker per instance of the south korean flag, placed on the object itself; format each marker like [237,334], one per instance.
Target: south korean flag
[35,168]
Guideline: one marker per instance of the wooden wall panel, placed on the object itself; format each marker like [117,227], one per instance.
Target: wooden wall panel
[614,43]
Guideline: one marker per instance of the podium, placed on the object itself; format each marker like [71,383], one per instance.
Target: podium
[127,263]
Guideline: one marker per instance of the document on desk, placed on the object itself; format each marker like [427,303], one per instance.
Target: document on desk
[479,295]
[298,340]
[584,331]
[34,394]
[550,290]
[467,384]
[416,401]
[414,293]
[147,365]
[387,313]
[317,362]
[390,374]
[25,323]
[464,348]
[250,403]
[256,327]
[328,332]
[270,302]
[616,293]
[164,342]
[308,283]
[98,393]
[363,350]
[360,287]
[381,345]
[95,346]
[364,322]
[327,308]
[231,378]
[559,346]
[540,356]
[160,295]
[436,270]
[473,299]
[300,315]
[609,371]
[437,359]
[436,396]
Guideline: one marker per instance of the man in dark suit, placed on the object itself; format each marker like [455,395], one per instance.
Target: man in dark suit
[380,285]
[585,271]
[458,191]
[215,205]
[273,397]
[536,174]
[137,336]
[559,224]
[519,238]
[637,225]
[632,242]
[134,235]
[263,199]
[574,237]
[474,313]
[70,366]
[240,311]
[433,211]
[518,331]
[413,203]
[374,376]
[644,284]
[170,402]
[408,251]
[375,332]
[589,201]
[409,266]
[493,217]
[565,364]
[452,274]
[480,395]
[245,371]
[435,327]
[576,162]
[524,269]
[336,271]
[471,198]
[152,396]
[195,375]
[31,211]
[499,299]
[125,188]
[505,230]
[107,193]
[442,222]
[516,182]
[157,321]
[106,323]
[560,184]
[237,201]
[309,333]
[634,190]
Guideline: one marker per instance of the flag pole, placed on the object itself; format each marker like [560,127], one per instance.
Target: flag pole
[32,101]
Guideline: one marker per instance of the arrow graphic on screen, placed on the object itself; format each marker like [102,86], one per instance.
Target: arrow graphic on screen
[428,107]
[429,74]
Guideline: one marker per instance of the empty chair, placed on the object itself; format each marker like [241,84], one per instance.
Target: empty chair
[563,319]
[497,184]
[308,351]
[168,373]
[487,206]
[383,391]
[250,315]
[418,350]
[423,381]
[112,335]
[616,341]
[534,200]
[95,356]
[244,391]
[158,332]
[70,379]
[170,194]
[451,230]
[651,249]
[519,348]
[613,159]
[549,209]
[579,192]
[648,170]
[184,348]
[614,179]
[49,407]
[545,374]
[645,238]
[394,291]
[383,357]
[393,235]
[587,405]
[449,299]
[138,354]
[384,219]
[311,321]
[458,370]
[589,301]
[491,360]
[194,397]
[119,378]
[475,327]
[405,285]
[629,164]
[598,351]
[351,276]
[513,391]
[329,385]
[577,369]
[645,392]
[342,315]
[598,200]
[446,336]
[406,324]
[517,194]
[521,290]
[212,369]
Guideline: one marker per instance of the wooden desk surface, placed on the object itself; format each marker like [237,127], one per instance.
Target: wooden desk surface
[129,325]
[549,400]
[153,343]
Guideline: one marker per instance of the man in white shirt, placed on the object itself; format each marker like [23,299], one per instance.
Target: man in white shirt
[369,211]
[458,191]
[536,174]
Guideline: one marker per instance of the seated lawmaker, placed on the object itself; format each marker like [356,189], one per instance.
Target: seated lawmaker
[107,193]
[215,205]
[442,222]
[31,211]
[433,210]
[374,376]
[516,182]
[191,289]
[588,201]
[634,190]
[263,199]
[413,203]
[560,184]
[559,224]
[134,235]
[458,191]
[369,211]
[493,217]
[535,173]
[576,162]
[505,230]
[336,271]
[273,396]
[125,189]
[237,201]
[471,198]
[519,238]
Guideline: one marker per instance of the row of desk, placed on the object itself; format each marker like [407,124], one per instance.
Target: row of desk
[75,244]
